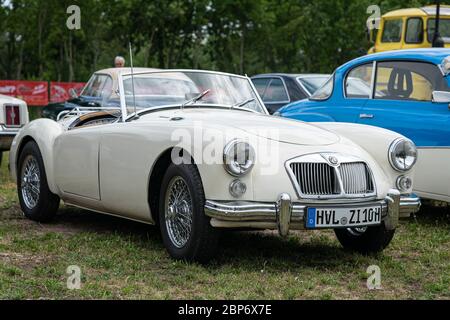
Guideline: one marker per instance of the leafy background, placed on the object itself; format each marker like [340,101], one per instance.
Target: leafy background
[238,36]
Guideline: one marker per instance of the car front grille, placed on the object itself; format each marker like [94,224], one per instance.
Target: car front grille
[356,178]
[322,180]
[12,116]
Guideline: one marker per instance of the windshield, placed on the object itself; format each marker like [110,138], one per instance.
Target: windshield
[176,88]
[311,84]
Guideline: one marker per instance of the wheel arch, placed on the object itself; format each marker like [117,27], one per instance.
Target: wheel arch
[156,177]
[43,132]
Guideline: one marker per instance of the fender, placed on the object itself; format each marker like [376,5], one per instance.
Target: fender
[380,139]
[44,133]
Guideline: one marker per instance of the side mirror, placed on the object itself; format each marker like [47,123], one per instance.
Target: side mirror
[73,93]
[441,97]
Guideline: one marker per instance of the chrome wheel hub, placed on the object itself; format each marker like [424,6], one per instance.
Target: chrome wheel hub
[178,212]
[30,182]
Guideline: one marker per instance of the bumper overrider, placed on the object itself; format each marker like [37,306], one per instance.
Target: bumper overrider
[286,215]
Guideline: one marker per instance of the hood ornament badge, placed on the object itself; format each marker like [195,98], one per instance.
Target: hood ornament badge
[333,160]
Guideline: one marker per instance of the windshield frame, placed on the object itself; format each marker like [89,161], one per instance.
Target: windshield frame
[123,105]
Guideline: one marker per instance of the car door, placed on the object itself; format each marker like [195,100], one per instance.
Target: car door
[273,92]
[77,163]
[402,102]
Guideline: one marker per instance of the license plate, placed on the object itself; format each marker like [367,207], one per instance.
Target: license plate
[319,218]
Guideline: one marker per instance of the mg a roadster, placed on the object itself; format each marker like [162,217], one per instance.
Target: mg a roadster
[196,152]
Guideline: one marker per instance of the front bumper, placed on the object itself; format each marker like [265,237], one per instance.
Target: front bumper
[286,215]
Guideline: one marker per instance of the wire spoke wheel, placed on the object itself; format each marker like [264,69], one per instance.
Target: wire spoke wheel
[30,182]
[178,212]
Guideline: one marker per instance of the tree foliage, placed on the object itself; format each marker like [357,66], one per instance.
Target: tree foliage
[239,36]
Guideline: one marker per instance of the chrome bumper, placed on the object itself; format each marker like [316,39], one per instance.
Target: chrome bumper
[285,215]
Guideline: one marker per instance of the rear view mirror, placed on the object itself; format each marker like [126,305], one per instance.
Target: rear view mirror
[441,96]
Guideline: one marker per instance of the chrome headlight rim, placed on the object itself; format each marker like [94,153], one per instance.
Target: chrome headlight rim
[392,156]
[238,171]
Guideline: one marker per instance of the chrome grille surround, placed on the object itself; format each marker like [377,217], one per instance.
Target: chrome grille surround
[323,176]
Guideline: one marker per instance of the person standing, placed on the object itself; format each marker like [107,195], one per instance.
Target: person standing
[119,62]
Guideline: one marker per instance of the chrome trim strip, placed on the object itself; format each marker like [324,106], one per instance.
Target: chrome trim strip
[434,148]
[9,134]
[374,79]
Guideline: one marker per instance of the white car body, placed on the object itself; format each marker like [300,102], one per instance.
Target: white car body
[116,168]
[10,125]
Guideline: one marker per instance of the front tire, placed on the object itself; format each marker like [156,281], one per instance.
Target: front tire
[186,230]
[365,240]
[38,203]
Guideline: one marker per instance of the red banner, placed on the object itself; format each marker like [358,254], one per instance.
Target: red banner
[35,93]
[59,91]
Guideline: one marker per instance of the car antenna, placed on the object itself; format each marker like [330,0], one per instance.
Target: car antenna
[136,116]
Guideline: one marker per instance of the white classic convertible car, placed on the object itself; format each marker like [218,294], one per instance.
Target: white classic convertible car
[196,152]
[13,116]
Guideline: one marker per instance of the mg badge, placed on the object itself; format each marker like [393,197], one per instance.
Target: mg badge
[333,160]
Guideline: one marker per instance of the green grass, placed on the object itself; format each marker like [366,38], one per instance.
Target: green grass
[125,260]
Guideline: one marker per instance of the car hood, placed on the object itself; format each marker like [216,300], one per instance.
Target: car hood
[8,99]
[269,127]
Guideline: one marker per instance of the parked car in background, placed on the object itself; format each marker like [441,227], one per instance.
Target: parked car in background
[410,29]
[154,167]
[13,116]
[99,93]
[409,94]
[280,89]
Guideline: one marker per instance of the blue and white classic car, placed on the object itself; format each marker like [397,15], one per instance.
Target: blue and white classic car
[406,91]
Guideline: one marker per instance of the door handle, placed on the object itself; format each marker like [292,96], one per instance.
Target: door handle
[366,116]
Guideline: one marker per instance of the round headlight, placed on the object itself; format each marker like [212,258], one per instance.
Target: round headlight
[238,158]
[402,154]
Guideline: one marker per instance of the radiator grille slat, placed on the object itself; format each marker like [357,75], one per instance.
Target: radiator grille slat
[321,179]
